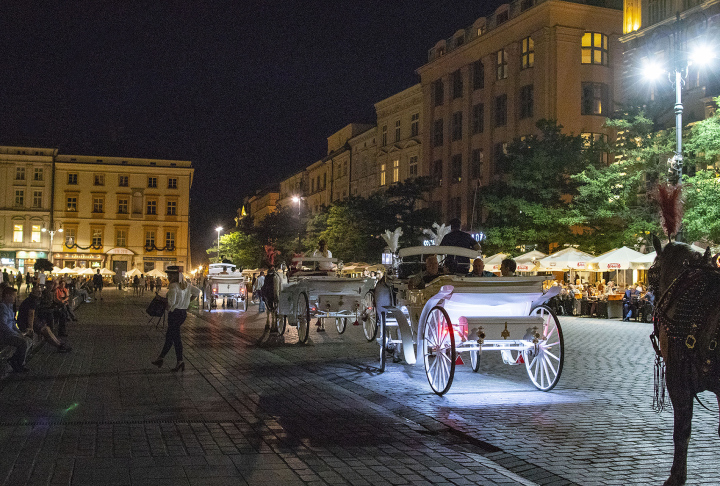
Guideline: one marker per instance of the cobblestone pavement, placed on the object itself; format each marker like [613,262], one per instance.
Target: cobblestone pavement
[252,408]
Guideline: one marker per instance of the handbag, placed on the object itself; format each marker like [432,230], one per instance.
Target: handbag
[156,307]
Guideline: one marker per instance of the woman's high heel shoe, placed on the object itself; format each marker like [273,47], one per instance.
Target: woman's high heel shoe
[158,362]
[180,366]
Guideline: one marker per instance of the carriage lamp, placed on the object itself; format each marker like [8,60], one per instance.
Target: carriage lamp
[387,257]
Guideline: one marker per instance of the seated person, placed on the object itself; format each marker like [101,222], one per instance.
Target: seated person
[29,321]
[431,272]
[478,269]
[9,333]
[508,267]
[323,252]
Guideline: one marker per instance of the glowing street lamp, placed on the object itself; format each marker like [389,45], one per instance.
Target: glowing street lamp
[52,232]
[218,229]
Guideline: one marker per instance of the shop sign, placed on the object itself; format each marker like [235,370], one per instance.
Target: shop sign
[7,254]
[31,254]
[77,256]
[159,259]
[613,265]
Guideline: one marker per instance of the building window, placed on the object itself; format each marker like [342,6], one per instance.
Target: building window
[457,125]
[70,236]
[152,206]
[324,181]
[596,142]
[152,182]
[397,130]
[478,122]
[438,133]
[501,110]
[499,151]
[97,237]
[123,205]
[457,83]
[35,233]
[595,48]
[438,92]
[172,183]
[476,164]
[501,64]
[149,239]
[170,240]
[17,233]
[526,101]
[383,181]
[19,198]
[123,181]
[502,17]
[437,173]
[528,53]
[594,99]
[415,124]
[172,208]
[71,204]
[37,199]
[19,173]
[478,75]
[121,238]
[38,174]
[99,179]
[98,204]
[72,179]
[312,186]
[384,135]
[455,207]
[413,166]
[456,169]
[396,170]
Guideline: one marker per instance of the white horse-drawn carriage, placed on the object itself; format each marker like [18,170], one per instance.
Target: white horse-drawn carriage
[225,283]
[322,294]
[461,314]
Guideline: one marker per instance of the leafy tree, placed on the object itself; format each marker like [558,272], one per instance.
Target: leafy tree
[702,211]
[243,249]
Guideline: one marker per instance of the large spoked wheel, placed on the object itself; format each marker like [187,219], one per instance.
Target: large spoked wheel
[341,324]
[281,322]
[475,360]
[439,350]
[302,313]
[369,317]
[544,362]
[383,343]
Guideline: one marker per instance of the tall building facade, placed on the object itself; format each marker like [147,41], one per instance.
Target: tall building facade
[490,83]
[26,175]
[122,213]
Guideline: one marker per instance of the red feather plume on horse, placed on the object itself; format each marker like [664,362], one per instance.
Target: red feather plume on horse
[670,199]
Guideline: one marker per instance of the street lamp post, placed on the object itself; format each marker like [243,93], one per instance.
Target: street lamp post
[219,229]
[52,232]
[298,200]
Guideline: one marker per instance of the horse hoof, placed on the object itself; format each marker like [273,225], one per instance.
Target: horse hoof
[674,481]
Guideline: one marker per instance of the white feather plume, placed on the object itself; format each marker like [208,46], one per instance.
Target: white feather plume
[440,231]
[393,239]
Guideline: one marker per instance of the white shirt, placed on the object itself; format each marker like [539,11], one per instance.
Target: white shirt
[324,265]
[178,298]
[41,278]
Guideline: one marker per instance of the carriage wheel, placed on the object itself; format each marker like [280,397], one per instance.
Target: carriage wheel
[369,317]
[302,314]
[383,342]
[544,362]
[475,360]
[244,304]
[439,350]
[281,322]
[341,324]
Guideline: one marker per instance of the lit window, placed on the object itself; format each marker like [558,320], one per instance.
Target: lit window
[17,233]
[382,175]
[70,236]
[595,48]
[71,204]
[36,233]
[97,237]
[528,53]
[396,170]
[501,65]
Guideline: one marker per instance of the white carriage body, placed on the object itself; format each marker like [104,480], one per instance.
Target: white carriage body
[224,280]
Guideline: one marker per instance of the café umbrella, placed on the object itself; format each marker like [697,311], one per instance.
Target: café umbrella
[566,259]
[527,262]
[492,264]
[617,259]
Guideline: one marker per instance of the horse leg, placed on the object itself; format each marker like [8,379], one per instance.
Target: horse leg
[718,399]
[681,396]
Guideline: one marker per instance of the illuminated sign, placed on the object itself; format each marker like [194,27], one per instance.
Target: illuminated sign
[78,256]
[478,236]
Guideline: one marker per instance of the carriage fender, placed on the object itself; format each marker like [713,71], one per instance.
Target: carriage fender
[552,292]
[405,334]
[444,293]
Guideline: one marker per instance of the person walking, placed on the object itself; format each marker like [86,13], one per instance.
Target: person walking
[179,294]
[257,291]
[98,284]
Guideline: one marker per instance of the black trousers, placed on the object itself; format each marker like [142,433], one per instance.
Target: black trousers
[172,336]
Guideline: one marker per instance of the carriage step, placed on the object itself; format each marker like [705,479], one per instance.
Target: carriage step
[459,361]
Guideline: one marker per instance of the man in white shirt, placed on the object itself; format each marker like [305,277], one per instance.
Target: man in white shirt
[259,282]
[9,333]
[323,252]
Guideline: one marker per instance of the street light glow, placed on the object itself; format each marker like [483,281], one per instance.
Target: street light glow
[219,228]
[295,199]
[702,55]
[652,70]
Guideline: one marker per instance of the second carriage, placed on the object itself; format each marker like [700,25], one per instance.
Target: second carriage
[323,295]
[225,285]
[455,314]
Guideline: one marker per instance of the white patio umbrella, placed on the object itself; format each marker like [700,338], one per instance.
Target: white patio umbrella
[56,270]
[566,259]
[156,273]
[617,259]
[106,272]
[9,269]
[68,271]
[133,272]
[492,264]
[86,272]
[528,262]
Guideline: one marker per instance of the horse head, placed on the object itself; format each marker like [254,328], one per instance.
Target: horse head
[669,263]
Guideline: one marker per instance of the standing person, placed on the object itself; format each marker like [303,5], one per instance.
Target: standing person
[257,290]
[98,284]
[19,281]
[29,280]
[151,283]
[323,252]
[41,279]
[179,294]
[143,284]
[9,333]
[6,277]
[457,237]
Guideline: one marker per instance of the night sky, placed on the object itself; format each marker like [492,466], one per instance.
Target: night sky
[246,90]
